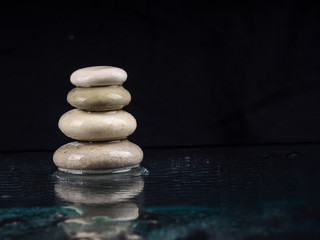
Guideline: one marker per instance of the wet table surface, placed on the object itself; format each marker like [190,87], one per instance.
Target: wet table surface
[261,192]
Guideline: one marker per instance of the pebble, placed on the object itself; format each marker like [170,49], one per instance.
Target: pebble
[97,126]
[99,98]
[98,76]
[98,155]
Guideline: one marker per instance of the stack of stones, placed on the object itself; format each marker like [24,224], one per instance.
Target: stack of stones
[98,123]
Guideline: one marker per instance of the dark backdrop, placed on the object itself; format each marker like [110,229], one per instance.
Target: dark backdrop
[199,73]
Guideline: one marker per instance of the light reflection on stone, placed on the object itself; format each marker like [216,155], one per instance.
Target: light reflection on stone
[107,206]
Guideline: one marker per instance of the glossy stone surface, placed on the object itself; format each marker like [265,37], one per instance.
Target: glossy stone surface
[98,76]
[98,156]
[99,98]
[97,126]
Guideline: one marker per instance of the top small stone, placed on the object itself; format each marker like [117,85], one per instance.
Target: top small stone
[98,76]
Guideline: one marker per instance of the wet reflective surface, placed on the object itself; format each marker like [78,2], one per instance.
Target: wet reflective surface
[269,192]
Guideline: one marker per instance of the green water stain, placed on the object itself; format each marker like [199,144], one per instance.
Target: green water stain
[33,223]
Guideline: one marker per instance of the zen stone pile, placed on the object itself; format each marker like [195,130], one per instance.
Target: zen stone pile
[98,124]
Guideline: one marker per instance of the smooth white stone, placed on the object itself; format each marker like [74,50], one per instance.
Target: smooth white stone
[97,126]
[98,155]
[98,76]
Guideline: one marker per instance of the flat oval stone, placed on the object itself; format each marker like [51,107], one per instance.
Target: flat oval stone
[98,155]
[99,98]
[97,126]
[98,76]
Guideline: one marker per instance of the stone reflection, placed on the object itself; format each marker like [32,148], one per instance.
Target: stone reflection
[106,206]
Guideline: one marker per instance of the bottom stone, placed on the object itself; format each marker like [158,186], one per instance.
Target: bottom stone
[98,158]
[131,171]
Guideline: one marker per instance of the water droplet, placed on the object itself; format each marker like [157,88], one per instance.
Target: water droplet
[5,196]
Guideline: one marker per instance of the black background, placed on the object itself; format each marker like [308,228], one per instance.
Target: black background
[199,73]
